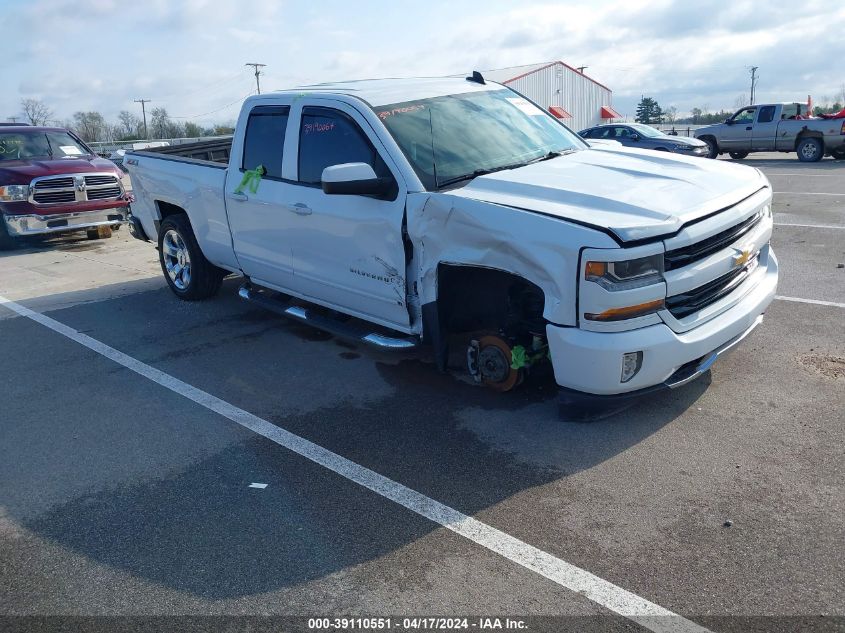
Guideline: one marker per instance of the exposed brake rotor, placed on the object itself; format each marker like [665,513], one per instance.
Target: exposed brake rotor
[494,364]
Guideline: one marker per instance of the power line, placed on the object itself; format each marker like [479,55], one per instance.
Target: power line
[257,72]
[207,89]
[144,112]
[196,116]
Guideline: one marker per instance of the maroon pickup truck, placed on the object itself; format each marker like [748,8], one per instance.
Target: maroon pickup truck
[51,182]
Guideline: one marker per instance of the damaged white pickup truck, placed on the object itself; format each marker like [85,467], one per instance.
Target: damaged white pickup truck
[457,214]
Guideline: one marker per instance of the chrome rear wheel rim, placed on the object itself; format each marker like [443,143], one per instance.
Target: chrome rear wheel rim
[177,260]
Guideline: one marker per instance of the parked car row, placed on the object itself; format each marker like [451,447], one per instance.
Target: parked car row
[773,127]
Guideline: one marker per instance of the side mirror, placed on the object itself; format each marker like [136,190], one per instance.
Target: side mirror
[634,137]
[353,179]
[729,121]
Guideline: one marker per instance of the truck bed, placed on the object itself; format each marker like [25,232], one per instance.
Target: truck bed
[168,181]
[215,151]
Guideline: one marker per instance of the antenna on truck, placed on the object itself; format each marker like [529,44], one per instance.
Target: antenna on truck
[477,78]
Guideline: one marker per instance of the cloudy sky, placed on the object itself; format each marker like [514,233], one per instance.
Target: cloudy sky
[189,55]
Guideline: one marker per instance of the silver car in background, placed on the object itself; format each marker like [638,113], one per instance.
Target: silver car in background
[645,137]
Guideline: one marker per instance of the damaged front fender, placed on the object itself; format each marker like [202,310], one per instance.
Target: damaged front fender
[446,229]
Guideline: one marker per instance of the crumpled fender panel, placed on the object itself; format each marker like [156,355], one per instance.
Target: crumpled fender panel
[543,250]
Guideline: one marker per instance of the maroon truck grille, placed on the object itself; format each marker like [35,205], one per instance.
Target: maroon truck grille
[75,188]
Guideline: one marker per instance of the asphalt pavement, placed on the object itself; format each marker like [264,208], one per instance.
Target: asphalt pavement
[721,501]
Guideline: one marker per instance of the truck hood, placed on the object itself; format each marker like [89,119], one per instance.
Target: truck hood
[633,194]
[681,140]
[698,132]
[21,172]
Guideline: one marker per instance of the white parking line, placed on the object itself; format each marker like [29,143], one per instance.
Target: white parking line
[836,175]
[600,591]
[832,304]
[809,193]
[812,226]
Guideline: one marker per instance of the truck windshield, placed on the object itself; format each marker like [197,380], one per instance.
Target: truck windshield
[458,137]
[19,145]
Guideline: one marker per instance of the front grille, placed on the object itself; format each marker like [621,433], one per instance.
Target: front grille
[92,181]
[53,197]
[698,298]
[680,257]
[54,183]
[75,188]
[102,194]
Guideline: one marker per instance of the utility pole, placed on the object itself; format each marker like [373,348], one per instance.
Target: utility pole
[257,72]
[753,82]
[144,112]
[580,69]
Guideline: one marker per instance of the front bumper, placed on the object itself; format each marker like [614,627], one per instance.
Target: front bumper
[590,363]
[698,151]
[34,224]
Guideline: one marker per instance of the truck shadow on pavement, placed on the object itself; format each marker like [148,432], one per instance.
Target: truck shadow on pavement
[197,527]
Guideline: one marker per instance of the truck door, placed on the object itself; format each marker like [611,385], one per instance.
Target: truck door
[736,137]
[347,250]
[259,231]
[764,134]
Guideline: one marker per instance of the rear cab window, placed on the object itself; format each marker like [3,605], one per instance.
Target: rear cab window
[766,115]
[264,139]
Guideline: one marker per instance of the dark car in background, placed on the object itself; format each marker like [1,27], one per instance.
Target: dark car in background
[52,182]
[646,137]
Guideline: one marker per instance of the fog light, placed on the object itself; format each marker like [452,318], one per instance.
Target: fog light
[631,363]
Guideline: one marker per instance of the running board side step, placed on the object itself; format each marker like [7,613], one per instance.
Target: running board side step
[326,323]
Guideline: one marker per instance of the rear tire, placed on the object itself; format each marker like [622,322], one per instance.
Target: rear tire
[738,155]
[838,154]
[810,150]
[713,149]
[189,274]
[7,242]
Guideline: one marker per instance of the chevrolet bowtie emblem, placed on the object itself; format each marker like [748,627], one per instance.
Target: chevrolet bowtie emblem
[742,257]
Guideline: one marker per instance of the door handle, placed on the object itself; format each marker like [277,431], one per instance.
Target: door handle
[300,208]
[748,128]
[239,196]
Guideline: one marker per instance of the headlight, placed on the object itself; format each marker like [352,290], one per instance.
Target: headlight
[626,275]
[14,193]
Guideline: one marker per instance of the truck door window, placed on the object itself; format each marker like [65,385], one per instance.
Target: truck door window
[265,138]
[767,113]
[330,137]
[745,116]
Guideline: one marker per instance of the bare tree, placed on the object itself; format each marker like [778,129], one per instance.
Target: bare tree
[740,101]
[670,114]
[162,126]
[36,111]
[91,126]
[129,122]
[192,129]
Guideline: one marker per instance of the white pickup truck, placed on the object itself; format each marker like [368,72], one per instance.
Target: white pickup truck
[458,214]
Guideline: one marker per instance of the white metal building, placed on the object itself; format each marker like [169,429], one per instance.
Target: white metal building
[577,99]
